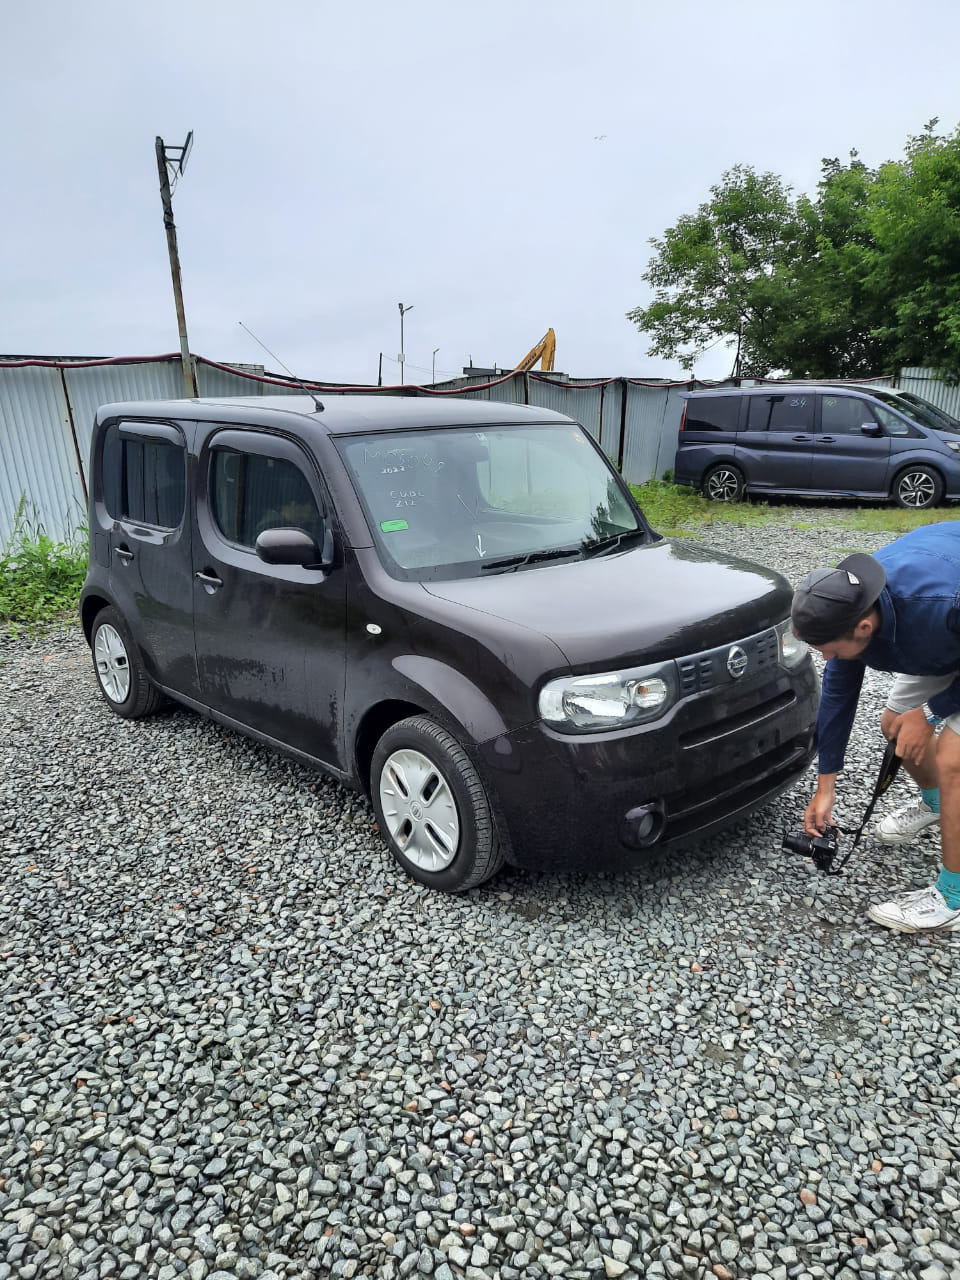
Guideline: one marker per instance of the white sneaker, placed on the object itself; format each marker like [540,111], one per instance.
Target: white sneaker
[921,911]
[905,824]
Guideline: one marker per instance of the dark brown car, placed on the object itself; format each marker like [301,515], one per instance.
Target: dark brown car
[455,606]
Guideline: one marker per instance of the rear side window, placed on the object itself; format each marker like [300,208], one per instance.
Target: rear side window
[780,412]
[143,480]
[712,413]
[250,492]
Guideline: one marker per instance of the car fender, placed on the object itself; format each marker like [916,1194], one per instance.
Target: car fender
[452,694]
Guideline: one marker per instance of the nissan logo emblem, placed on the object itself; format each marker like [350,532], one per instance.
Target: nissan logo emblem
[737,662]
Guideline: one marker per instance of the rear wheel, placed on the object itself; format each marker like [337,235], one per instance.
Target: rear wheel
[432,807]
[917,487]
[124,684]
[723,483]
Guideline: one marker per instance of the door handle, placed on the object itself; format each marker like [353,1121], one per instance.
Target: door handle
[828,439]
[123,553]
[210,580]
[802,438]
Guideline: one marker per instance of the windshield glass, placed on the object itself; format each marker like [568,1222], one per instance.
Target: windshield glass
[916,409]
[459,503]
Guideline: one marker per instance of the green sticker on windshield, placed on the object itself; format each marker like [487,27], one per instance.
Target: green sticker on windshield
[392,526]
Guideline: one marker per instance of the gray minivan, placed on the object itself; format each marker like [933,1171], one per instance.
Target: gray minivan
[454,606]
[821,440]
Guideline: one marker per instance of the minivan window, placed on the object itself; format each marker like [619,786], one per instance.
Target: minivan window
[250,493]
[790,412]
[143,480]
[923,414]
[712,413]
[461,503]
[845,415]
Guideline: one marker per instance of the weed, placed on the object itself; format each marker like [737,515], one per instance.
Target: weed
[680,511]
[40,579]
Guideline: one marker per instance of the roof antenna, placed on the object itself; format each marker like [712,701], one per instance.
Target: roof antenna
[298,381]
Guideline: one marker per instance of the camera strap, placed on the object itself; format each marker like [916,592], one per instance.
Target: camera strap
[889,768]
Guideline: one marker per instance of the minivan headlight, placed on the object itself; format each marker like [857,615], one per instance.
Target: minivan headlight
[792,649]
[609,699]
[954,445]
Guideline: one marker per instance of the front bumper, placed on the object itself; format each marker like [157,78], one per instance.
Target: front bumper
[572,801]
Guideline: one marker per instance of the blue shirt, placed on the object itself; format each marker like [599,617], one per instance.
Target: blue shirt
[919,633]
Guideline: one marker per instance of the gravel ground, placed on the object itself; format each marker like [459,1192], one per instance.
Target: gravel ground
[237,1042]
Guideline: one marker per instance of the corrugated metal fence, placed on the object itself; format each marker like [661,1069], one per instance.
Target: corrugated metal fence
[47,409]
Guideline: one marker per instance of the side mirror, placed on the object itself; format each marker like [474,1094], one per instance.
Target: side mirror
[871,429]
[295,546]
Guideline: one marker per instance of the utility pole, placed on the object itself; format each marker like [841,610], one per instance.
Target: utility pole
[179,162]
[433,372]
[403,312]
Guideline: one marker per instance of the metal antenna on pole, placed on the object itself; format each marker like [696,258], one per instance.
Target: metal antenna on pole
[299,381]
[178,163]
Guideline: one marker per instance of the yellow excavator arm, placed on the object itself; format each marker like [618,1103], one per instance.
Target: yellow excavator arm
[544,351]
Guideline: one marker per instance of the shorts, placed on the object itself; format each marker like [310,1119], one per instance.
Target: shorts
[910,692]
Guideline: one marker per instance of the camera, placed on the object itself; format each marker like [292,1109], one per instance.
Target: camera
[822,849]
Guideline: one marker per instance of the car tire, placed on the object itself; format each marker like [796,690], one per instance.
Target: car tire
[432,807]
[121,679]
[917,488]
[723,483]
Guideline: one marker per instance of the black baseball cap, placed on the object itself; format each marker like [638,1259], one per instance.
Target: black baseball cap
[830,602]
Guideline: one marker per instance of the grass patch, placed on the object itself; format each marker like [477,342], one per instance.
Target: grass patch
[40,579]
[677,510]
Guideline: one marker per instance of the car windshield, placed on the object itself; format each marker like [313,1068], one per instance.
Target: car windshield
[459,503]
[917,410]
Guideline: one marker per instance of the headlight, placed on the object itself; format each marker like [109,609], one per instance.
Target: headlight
[609,700]
[792,649]
[954,445]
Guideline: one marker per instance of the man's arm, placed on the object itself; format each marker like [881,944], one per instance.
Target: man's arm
[842,682]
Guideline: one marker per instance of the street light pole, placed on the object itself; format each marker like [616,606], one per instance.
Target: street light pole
[403,312]
[189,374]
[433,371]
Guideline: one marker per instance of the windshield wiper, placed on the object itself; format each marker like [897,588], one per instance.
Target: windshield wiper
[610,543]
[514,562]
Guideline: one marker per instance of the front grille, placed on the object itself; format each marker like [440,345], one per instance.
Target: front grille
[701,672]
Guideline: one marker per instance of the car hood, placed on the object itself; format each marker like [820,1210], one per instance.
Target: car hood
[659,600]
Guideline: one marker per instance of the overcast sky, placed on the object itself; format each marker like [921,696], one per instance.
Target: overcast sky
[498,166]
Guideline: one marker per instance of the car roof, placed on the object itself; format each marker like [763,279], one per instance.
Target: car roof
[773,388]
[341,414]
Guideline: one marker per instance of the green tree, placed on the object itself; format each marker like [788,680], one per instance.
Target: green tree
[718,274]
[914,262]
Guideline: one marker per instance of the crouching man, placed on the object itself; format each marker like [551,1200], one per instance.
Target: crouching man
[896,611]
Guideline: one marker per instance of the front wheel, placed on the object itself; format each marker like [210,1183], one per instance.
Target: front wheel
[917,488]
[121,678]
[723,483]
[432,808]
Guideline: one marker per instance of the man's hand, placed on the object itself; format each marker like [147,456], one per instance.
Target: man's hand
[819,811]
[913,735]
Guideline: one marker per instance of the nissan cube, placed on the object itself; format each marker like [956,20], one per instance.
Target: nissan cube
[454,606]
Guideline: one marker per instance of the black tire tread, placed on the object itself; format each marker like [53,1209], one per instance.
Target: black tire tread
[491,853]
[144,698]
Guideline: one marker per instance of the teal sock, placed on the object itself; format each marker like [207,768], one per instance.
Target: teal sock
[931,798]
[948,882]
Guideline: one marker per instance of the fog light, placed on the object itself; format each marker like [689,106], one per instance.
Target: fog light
[643,826]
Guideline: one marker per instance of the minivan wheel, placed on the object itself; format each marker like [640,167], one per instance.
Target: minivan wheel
[723,483]
[432,808]
[917,487]
[120,674]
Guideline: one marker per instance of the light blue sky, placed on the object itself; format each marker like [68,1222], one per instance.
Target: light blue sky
[441,154]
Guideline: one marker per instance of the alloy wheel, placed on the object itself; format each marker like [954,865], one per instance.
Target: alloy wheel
[723,486]
[916,489]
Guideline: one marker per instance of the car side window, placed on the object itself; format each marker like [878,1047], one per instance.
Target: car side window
[250,492]
[791,411]
[891,423]
[712,413]
[845,415]
[143,480]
